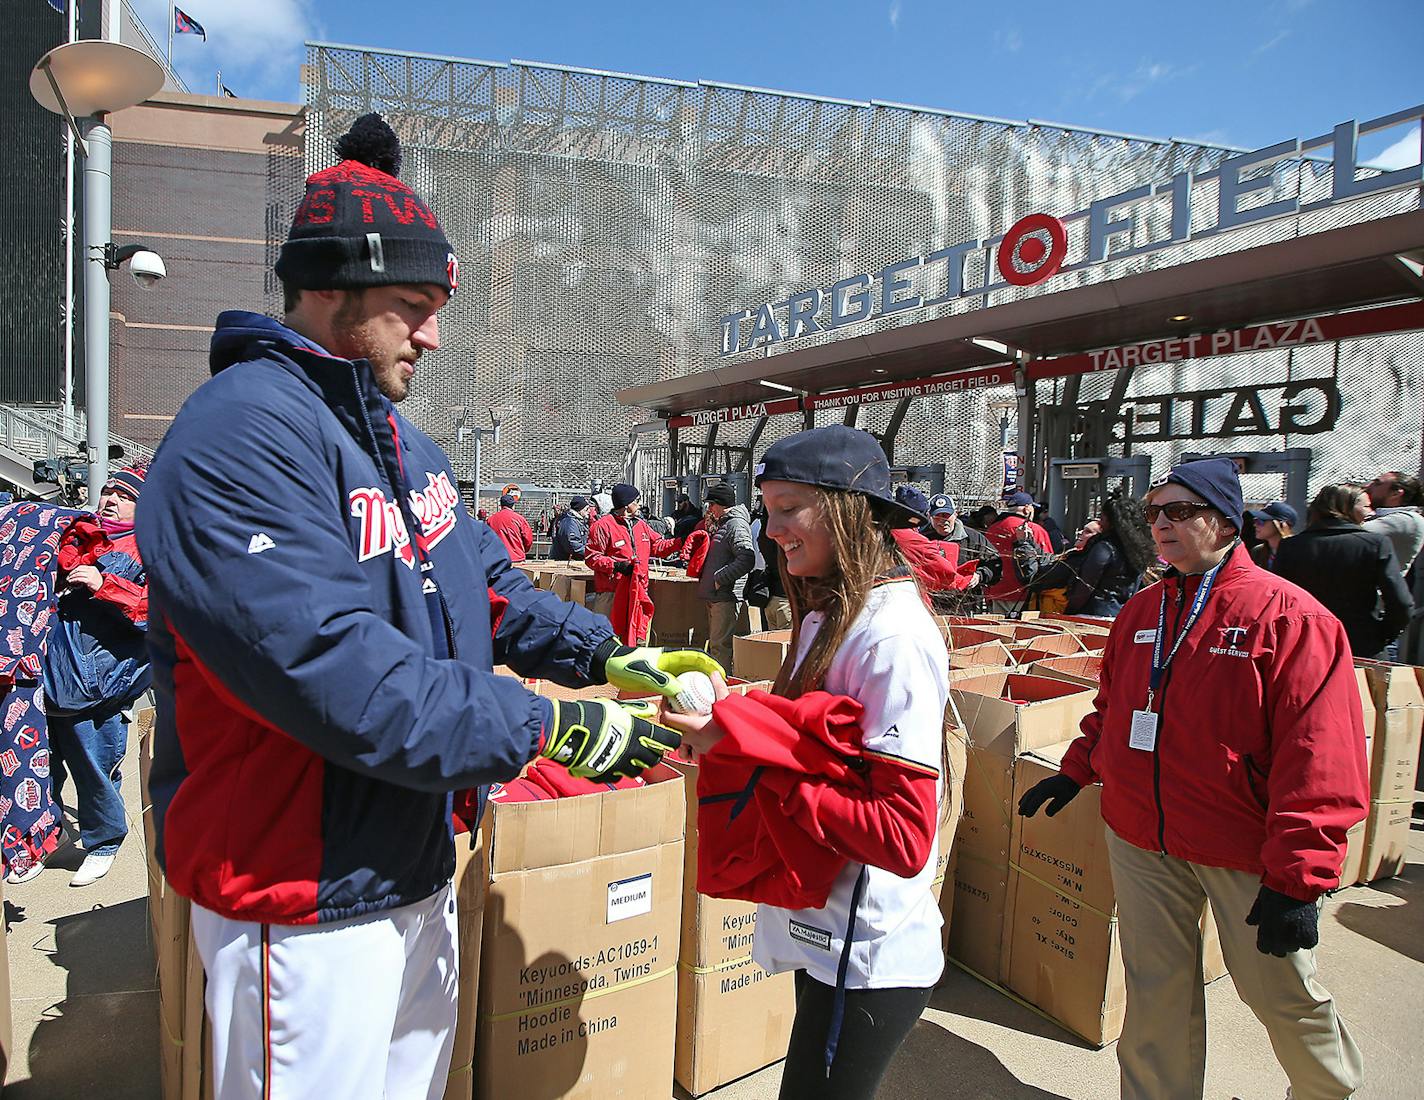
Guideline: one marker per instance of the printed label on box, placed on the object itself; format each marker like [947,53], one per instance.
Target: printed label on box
[630,897]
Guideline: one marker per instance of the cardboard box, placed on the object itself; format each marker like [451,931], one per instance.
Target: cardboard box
[977,931]
[993,654]
[1005,714]
[469,882]
[679,617]
[759,656]
[1353,868]
[1394,758]
[733,1017]
[578,987]
[946,894]
[1392,686]
[1008,713]
[1064,645]
[1386,840]
[1075,624]
[1082,670]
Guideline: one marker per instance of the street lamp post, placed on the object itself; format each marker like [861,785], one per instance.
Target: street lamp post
[91,79]
[98,211]
[464,428]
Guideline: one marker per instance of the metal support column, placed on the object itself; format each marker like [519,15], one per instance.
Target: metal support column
[98,209]
[892,429]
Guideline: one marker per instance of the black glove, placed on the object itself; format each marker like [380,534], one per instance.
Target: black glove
[1283,924]
[602,740]
[623,567]
[1059,788]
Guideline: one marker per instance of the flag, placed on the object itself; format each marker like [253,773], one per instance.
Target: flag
[228,92]
[183,23]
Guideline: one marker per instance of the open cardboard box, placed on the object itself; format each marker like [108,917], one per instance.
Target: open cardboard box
[1005,713]
[578,994]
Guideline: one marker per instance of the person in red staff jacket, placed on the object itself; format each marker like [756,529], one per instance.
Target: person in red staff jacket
[1013,528]
[1228,737]
[324,621]
[620,548]
[512,528]
[867,959]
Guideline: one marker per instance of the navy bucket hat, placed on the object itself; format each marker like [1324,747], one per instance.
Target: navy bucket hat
[840,458]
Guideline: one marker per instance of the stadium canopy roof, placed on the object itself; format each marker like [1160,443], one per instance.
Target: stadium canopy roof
[1366,264]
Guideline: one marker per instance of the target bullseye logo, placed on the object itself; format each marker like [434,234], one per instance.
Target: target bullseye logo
[1023,257]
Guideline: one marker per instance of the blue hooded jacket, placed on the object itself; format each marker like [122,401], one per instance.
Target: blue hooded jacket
[324,618]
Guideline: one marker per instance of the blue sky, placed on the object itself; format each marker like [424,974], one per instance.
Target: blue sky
[1248,72]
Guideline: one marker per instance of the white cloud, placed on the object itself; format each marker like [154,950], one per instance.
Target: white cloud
[895,14]
[1145,76]
[1010,40]
[1404,153]
[257,44]
[1271,43]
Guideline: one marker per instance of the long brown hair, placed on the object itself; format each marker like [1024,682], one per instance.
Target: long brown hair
[863,550]
[1335,502]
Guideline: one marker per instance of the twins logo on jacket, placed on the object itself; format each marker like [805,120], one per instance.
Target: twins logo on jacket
[383,528]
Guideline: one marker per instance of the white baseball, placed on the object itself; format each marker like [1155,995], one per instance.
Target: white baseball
[696,696]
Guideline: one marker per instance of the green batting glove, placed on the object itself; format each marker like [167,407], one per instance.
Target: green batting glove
[602,739]
[649,669]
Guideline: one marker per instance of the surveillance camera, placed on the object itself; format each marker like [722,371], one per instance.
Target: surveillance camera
[147,268]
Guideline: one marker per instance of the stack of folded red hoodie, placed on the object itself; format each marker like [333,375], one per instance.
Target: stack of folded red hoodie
[790,795]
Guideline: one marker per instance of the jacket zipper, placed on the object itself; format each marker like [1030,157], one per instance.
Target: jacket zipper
[392,482]
[1161,726]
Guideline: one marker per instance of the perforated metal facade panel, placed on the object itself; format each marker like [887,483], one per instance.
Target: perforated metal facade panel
[606,223]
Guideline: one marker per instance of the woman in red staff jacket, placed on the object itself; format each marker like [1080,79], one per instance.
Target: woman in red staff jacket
[1228,737]
[867,960]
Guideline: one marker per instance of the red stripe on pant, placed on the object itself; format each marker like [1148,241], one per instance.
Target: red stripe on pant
[266,1013]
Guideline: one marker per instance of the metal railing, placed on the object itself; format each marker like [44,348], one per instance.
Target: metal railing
[48,433]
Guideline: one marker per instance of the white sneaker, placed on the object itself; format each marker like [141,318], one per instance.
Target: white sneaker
[92,870]
[15,876]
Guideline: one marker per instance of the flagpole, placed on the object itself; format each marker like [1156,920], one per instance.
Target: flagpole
[170,35]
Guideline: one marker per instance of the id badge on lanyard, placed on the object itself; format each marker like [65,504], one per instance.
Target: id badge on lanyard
[1143,733]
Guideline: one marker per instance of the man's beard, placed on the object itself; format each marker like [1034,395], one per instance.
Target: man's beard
[387,364]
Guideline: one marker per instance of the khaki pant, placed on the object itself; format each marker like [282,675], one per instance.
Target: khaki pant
[721,626]
[777,614]
[1162,1053]
[601,603]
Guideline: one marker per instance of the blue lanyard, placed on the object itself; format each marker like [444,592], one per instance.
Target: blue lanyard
[1159,664]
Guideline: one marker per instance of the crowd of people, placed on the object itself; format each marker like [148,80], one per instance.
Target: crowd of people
[322,651]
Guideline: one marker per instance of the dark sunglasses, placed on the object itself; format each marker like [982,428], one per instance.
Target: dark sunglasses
[1177,511]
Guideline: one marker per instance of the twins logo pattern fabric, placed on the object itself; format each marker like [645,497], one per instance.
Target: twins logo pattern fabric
[30,533]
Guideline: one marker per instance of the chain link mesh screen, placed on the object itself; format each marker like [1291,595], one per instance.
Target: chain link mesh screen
[605,223]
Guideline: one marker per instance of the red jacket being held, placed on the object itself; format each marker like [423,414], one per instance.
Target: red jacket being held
[788,797]
[514,531]
[1259,763]
[936,563]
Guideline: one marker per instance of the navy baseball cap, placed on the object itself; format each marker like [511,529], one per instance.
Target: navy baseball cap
[1215,480]
[836,457]
[1018,500]
[942,503]
[913,499]
[1279,510]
